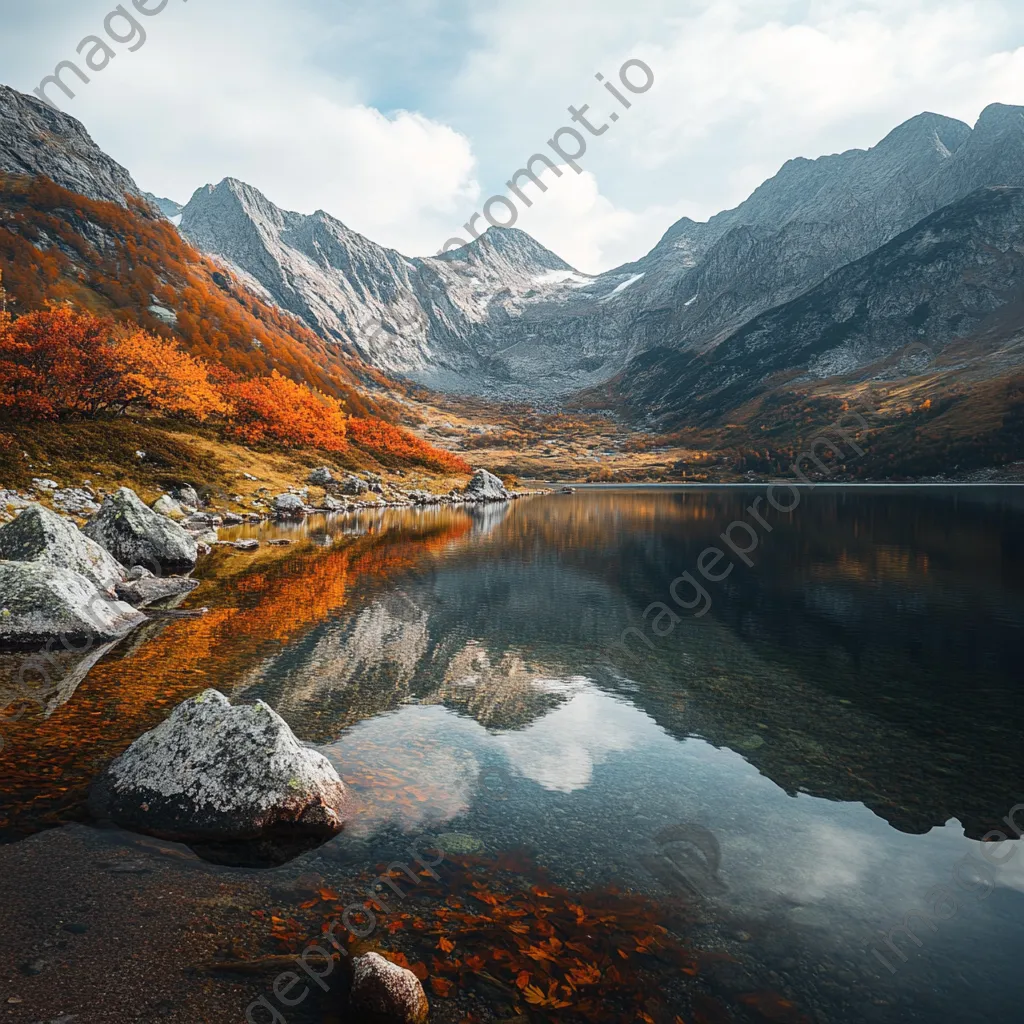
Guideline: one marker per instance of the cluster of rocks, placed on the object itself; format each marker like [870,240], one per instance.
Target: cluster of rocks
[88,585]
[296,503]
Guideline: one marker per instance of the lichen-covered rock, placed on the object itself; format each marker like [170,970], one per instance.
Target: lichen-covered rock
[136,535]
[39,601]
[486,487]
[216,773]
[75,501]
[384,993]
[39,535]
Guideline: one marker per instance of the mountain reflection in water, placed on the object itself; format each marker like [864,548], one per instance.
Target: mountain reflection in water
[799,758]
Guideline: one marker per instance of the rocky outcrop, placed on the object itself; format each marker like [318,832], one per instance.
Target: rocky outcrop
[39,601]
[384,993]
[41,536]
[186,494]
[37,140]
[232,781]
[136,535]
[486,487]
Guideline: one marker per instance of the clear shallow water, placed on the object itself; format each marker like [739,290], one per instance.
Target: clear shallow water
[845,721]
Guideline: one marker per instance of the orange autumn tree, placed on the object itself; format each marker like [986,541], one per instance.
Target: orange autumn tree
[277,409]
[60,362]
[158,375]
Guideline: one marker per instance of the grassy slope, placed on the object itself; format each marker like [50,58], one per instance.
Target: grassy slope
[104,452]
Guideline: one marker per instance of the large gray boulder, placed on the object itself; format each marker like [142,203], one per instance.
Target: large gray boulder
[41,536]
[233,780]
[39,601]
[321,477]
[486,487]
[136,535]
[354,486]
[384,993]
[289,506]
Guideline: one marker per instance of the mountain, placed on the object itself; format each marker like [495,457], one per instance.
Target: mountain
[947,278]
[416,316]
[505,317]
[38,141]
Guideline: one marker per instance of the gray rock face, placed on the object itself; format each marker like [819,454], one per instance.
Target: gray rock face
[39,141]
[216,774]
[167,506]
[415,316]
[41,536]
[486,487]
[384,993]
[136,535]
[75,501]
[41,601]
[940,281]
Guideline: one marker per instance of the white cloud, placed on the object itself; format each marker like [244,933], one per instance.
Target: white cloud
[298,100]
[584,227]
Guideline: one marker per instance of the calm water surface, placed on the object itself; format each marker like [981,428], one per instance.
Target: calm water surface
[772,783]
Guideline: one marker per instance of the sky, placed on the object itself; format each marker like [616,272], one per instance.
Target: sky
[401,117]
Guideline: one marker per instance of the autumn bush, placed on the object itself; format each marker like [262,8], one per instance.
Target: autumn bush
[277,409]
[390,444]
[59,362]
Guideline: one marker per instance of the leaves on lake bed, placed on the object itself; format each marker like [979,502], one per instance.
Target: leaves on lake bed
[526,947]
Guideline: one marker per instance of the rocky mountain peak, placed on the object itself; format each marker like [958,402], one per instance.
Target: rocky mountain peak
[39,141]
[516,247]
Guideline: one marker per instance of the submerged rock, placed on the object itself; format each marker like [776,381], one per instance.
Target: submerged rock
[152,589]
[39,602]
[41,536]
[384,993]
[486,487]
[233,782]
[136,535]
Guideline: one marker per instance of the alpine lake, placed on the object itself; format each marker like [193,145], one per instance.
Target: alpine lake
[781,803]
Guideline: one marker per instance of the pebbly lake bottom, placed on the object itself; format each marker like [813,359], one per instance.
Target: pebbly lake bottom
[733,823]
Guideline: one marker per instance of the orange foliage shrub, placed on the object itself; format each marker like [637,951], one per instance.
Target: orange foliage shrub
[277,409]
[390,444]
[57,362]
